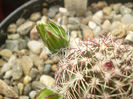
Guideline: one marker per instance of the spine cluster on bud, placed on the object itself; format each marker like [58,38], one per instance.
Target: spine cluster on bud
[97,69]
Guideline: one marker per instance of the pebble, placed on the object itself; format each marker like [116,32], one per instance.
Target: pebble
[27,79]
[6,53]
[34,35]
[12,28]
[20,21]
[116,7]
[27,89]
[127,19]
[106,25]
[32,94]
[97,31]
[17,70]
[33,73]
[35,16]
[47,68]
[107,10]
[43,55]
[8,74]
[36,85]
[54,68]
[74,34]
[87,34]
[25,28]
[24,97]
[7,90]
[125,10]
[2,62]
[27,64]
[7,66]
[129,37]
[97,17]
[44,11]
[115,25]
[63,11]
[34,46]
[13,36]
[15,45]
[47,80]
[52,11]
[119,33]
[20,88]
[92,25]
[73,20]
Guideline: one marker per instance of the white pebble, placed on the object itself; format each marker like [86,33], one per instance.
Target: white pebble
[35,46]
[129,37]
[92,25]
[47,80]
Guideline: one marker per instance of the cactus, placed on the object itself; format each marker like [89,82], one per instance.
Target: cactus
[96,69]
[53,36]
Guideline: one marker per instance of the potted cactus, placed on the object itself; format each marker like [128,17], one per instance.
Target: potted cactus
[95,69]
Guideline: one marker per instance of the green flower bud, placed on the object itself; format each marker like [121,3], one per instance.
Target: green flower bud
[53,36]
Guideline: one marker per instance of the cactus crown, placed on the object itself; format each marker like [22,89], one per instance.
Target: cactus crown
[53,36]
[98,69]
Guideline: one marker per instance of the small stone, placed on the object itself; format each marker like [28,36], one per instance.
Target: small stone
[33,73]
[15,45]
[73,20]
[35,16]
[27,89]
[27,79]
[101,4]
[35,46]
[7,90]
[7,66]
[36,85]
[27,64]
[73,27]
[53,11]
[106,25]
[47,68]
[12,28]
[74,34]
[87,34]
[97,31]
[54,67]
[125,10]
[55,59]
[6,53]
[24,97]
[85,20]
[127,19]
[48,61]
[20,21]
[92,25]
[63,11]
[47,80]
[17,70]
[43,55]
[119,33]
[8,74]
[117,17]
[64,20]
[116,7]
[107,10]
[13,36]
[32,94]
[43,20]
[34,35]
[44,11]
[115,25]
[25,27]
[20,88]
[2,62]
[97,17]
[129,37]
[129,27]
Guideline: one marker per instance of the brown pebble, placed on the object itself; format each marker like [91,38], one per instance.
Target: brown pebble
[54,68]
[34,35]
[87,34]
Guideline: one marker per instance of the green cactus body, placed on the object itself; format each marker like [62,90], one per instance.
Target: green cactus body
[99,69]
[53,36]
